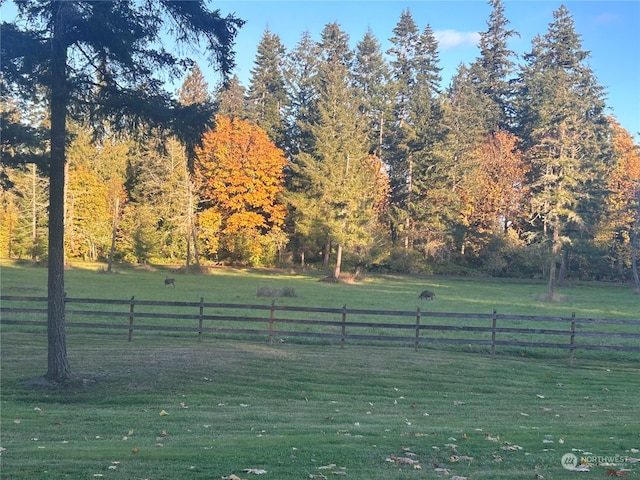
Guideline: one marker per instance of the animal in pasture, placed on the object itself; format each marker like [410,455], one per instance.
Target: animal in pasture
[428,295]
[170,281]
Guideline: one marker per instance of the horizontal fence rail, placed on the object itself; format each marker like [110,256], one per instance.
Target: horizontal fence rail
[339,324]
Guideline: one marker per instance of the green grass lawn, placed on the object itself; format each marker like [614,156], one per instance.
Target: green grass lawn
[367,412]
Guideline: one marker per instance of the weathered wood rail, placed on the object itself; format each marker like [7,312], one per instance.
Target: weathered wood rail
[341,324]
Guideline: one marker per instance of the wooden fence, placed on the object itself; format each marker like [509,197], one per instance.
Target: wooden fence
[281,322]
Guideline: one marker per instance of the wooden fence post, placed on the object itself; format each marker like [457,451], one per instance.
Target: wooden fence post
[417,342]
[200,319]
[493,334]
[131,315]
[271,316]
[572,339]
[344,326]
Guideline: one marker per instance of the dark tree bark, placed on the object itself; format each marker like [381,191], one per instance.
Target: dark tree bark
[59,369]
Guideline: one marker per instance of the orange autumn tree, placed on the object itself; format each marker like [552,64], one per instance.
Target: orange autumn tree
[240,175]
[495,192]
[618,229]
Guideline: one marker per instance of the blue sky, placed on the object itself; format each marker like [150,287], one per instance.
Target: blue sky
[610,30]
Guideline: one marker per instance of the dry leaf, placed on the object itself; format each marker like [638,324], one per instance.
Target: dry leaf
[616,473]
[255,471]
[326,467]
[163,413]
[456,477]
[457,403]
[135,450]
[231,477]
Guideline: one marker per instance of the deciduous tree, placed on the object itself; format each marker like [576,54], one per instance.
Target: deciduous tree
[240,174]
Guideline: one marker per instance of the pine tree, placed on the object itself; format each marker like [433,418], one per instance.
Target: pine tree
[371,76]
[267,95]
[417,129]
[564,133]
[301,76]
[338,172]
[194,90]
[232,99]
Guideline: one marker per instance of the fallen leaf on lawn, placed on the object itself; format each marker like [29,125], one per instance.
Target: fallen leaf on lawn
[326,467]
[319,475]
[524,414]
[135,450]
[540,396]
[442,470]
[458,403]
[339,472]
[538,476]
[163,413]
[456,477]
[231,477]
[184,405]
[255,471]
[491,438]
[130,432]
[616,473]
[16,421]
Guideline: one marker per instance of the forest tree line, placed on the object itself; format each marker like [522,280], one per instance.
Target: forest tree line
[359,158]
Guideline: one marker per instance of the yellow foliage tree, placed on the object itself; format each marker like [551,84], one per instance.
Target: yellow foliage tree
[240,176]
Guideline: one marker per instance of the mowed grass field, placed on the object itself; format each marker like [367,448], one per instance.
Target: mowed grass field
[169,407]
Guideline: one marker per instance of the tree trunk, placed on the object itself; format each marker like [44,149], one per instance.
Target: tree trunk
[562,273]
[554,258]
[58,363]
[114,232]
[327,250]
[336,272]
[34,220]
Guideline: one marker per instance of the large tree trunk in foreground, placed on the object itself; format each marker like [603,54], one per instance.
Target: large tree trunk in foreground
[58,364]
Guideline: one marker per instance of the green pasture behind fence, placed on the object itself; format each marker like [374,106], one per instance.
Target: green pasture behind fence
[492,333]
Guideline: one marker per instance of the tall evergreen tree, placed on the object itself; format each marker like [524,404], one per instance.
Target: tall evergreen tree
[371,75]
[103,57]
[417,127]
[564,133]
[232,99]
[338,171]
[194,90]
[301,76]
[267,94]
[494,67]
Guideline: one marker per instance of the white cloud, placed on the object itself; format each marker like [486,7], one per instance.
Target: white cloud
[448,39]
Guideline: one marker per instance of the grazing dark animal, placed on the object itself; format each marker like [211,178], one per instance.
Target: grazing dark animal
[170,281]
[427,295]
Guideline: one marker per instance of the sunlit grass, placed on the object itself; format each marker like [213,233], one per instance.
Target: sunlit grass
[291,409]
